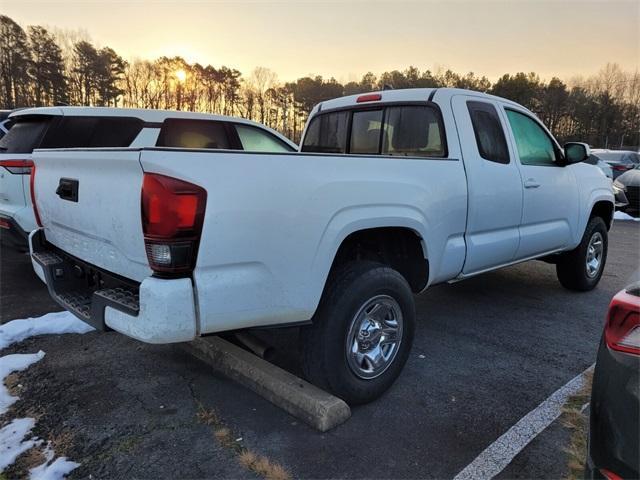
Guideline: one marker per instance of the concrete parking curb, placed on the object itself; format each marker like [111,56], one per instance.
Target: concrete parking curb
[310,404]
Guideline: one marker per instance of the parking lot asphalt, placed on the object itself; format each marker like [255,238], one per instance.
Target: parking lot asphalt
[487,351]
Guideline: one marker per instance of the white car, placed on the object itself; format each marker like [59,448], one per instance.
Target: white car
[392,192]
[73,127]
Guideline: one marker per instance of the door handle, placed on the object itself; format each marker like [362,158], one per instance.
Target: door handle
[531,183]
[68,189]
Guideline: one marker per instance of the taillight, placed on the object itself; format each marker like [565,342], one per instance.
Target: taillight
[369,97]
[172,217]
[32,184]
[609,475]
[620,168]
[17,167]
[622,331]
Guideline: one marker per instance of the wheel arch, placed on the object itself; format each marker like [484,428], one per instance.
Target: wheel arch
[599,203]
[603,209]
[401,248]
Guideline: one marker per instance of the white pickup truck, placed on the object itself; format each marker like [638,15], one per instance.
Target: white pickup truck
[390,193]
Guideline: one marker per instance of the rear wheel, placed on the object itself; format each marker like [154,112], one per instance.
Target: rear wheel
[581,268]
[361,334]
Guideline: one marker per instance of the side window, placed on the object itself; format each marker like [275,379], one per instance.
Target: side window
[25,135]
[365,132]
[534,145]
[327,133]
[115,132]
[413,131]
[92,132]
[182,133]
[257,140]
[489,135]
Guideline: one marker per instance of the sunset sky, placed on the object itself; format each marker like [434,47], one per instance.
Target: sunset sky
[347,39]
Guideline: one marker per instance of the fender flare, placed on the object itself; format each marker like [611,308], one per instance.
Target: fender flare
[597,195]
[353,219]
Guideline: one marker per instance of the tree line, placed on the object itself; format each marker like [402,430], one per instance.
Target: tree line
[40,68]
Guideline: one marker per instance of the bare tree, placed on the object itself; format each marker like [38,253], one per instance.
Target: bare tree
[51,66]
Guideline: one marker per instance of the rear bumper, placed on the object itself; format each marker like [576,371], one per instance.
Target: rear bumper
[154,311]
[12,235]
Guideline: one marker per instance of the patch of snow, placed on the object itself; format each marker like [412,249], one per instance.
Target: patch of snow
[12,436]
[51,323]
[11,440]
[624,216]
[52,470]
[14,363]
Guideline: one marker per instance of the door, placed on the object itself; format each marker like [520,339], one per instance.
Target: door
[494,184]
[550,202]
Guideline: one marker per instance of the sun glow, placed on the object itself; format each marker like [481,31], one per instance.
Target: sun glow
[181,75]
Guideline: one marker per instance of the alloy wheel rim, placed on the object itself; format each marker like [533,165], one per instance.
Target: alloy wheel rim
[595,250]
[374,337]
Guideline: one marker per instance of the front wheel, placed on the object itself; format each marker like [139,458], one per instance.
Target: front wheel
[581,268]
[361,334]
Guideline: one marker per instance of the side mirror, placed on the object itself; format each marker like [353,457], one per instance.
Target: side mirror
[576,152]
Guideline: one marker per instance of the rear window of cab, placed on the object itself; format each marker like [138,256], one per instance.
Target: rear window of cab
[400,130]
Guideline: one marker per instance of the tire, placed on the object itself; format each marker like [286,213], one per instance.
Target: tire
[330,359]
[573,271]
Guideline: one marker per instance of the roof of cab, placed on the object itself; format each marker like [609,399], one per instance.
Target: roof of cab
[440,95]
[146,115]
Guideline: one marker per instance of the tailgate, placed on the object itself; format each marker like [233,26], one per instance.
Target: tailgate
[89,205]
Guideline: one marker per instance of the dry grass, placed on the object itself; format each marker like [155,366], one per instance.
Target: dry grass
[32,458]
[223,436]
[12,382]
[575,420]
[62,443]
[208,417]
[258,464]
[262,466]
[25,462]
[247,458]
[36,412]
[269,470]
